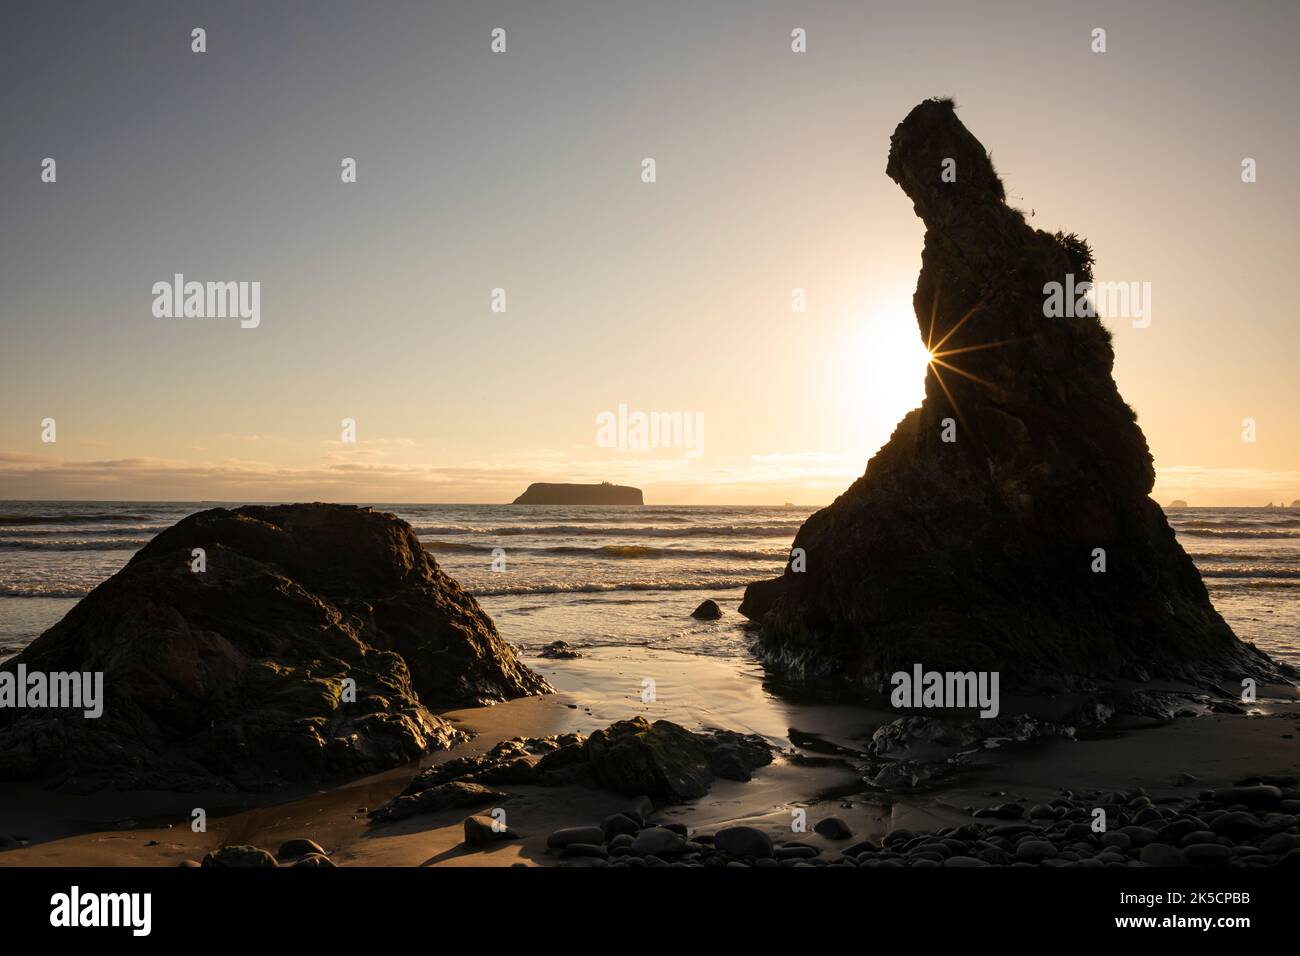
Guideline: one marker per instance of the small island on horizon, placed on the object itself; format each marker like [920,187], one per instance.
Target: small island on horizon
[604,493]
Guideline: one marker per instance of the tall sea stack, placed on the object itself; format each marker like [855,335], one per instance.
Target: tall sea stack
[1007,523]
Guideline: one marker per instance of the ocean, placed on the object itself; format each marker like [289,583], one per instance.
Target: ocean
[608,576]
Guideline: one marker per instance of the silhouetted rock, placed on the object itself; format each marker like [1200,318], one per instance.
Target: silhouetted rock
[978,553]
[236,676]
[481,830]
[546,493]
[239,856]
[1178,503]
[708,611]
[661,761]
[560,651]
[299,847]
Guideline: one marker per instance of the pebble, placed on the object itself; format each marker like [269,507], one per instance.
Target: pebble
[833,828]
[1034,851]
[562,838]
[1162,854]
[657,840]
[1207,854]
[743,841]
[1258,797]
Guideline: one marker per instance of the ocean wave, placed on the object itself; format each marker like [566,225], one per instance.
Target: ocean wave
[42,591]
[693,531]
[95,544]
[100,518]
[696,584]
[1229,584]
[1238,532]
[1249,571]
[1239,523]
[614,551]
[135,529]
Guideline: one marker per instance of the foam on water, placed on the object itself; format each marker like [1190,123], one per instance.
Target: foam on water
[609,575]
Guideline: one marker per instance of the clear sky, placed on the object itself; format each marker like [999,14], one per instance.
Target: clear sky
[523,171]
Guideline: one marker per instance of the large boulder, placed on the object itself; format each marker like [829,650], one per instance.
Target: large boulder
[979,553]
[663,760]
[237,675]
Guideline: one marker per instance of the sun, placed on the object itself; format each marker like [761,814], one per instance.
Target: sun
[882,368]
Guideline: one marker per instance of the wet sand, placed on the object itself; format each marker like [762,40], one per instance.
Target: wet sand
[697,692]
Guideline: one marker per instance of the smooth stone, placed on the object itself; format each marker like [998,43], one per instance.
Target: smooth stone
[585,849]
[239,856]
[654,841]
[619,823]
[707,611]
[1207,854]
[481,830]
[1034,851]
[1117,840]
[795,852]
[1236,823]
[1140,836]
[743,841]
[1162,854]
[562,838]
[1261,796]
[833,828]
[300,847]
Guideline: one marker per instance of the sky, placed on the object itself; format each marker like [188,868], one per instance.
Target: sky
[523,171]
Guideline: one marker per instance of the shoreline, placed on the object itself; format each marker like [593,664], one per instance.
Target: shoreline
[697,692]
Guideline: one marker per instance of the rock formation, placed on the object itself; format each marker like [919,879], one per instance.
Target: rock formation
[661,761]
[236,675]
[977,536]
[544,493]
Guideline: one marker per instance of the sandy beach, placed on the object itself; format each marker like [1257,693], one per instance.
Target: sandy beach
[819,746]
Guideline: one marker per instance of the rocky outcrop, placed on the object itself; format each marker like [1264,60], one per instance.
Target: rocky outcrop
[310,643]
[707,611]
[662,761]
[1007,524]
[544,493]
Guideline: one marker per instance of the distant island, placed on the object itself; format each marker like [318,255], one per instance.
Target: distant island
[1178,503]
[545,493]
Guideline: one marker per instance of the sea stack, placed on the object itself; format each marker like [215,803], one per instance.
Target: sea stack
[1007,524]
[252,648]
[545,493]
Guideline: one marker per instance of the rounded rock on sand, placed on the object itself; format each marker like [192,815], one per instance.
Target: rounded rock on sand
[299,847]
[1164,855]
[239,856]
[656,841]
[833,828]
[563,838]
[480,830]
[743,841]
[708,611]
